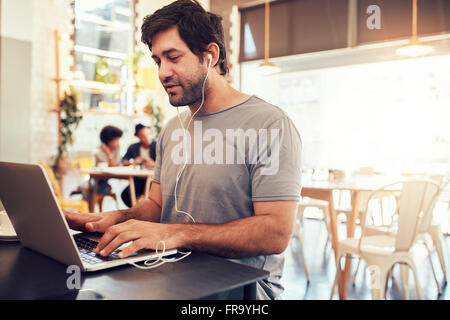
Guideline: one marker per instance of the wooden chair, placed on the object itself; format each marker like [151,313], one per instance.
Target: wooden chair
[78,205]
[87,163]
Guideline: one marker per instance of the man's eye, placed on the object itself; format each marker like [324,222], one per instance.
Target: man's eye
[173,58]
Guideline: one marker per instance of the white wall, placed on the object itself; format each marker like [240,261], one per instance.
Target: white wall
[16,19]
[15,72]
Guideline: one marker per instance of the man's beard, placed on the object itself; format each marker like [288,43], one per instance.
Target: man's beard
[191,92]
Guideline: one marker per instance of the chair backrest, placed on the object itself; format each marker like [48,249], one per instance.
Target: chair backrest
[428,216]
[86,163]
[53,180]
[415,203]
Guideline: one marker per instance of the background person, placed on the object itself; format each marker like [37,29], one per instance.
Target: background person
[109,153]
[141,153]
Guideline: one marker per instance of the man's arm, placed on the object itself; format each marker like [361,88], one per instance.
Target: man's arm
[268,232]
[148,209]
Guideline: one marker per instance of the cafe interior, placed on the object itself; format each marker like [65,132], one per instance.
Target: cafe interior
[366,83]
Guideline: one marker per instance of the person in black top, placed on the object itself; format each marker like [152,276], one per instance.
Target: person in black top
[142,153]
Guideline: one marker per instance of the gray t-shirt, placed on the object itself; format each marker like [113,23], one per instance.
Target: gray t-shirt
[247,153]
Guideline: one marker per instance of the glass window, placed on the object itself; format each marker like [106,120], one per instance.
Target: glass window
[103,42]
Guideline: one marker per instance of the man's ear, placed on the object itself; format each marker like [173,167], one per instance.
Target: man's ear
[213,50]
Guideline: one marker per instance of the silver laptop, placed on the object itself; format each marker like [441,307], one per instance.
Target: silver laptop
[33,209]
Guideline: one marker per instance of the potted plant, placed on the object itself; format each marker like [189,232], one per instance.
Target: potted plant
[70,119]
[156,115]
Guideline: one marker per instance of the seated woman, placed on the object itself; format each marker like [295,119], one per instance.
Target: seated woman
[109,153]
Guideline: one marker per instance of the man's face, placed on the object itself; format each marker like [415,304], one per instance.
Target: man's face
[145,136]
[179,69]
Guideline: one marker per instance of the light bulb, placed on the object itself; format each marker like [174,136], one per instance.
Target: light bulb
[267,68]
[414,50]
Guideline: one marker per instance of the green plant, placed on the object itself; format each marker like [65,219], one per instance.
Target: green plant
[70,119]
[133,65]
[102,72]
[133,61]
[156,115]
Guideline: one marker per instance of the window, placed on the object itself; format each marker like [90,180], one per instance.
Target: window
[103,42]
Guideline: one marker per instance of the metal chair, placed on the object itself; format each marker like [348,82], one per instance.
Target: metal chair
[382,252]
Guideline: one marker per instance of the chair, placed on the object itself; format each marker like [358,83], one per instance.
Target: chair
[322,206]
[429,234]
[78,205]
[382,220]
[382,252]
[298,233]
[87,163]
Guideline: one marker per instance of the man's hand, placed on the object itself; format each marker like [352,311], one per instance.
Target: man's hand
[149,164]
[93,222]
[145,235]
[138,160]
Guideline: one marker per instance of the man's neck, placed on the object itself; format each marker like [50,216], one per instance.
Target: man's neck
[219,96]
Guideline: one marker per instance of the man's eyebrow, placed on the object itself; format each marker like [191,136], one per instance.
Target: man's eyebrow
[165,53]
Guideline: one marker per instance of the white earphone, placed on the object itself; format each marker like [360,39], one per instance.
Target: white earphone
[210,60]
[154,263]
[184,139]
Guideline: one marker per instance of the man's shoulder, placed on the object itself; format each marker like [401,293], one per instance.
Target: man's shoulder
[261,108]
[256,112]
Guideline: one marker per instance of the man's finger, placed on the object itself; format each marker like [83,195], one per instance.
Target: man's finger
[118,241]
[132,248]
[109,235]
[99,226]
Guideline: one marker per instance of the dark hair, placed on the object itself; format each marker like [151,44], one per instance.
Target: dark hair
[196,27]
[110,133]
[138,128]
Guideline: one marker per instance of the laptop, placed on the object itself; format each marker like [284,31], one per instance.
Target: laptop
[39,222]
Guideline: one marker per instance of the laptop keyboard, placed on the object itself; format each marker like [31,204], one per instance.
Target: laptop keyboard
[86,248]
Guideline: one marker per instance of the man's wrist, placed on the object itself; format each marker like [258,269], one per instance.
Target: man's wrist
[179,235]
[123,215]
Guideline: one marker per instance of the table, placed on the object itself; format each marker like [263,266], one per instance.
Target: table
[27,274]
[323,190]
[123,173]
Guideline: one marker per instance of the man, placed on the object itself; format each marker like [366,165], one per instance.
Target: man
[243,205]
[141,153]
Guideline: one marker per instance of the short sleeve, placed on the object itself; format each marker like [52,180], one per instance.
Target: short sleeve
[100,156]
[276,175]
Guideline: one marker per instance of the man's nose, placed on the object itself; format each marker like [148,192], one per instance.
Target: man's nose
[165,72]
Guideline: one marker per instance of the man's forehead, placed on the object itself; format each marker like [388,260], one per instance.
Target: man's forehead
[167,40]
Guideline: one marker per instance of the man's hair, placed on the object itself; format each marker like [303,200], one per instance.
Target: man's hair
[196,27]
[110,133]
